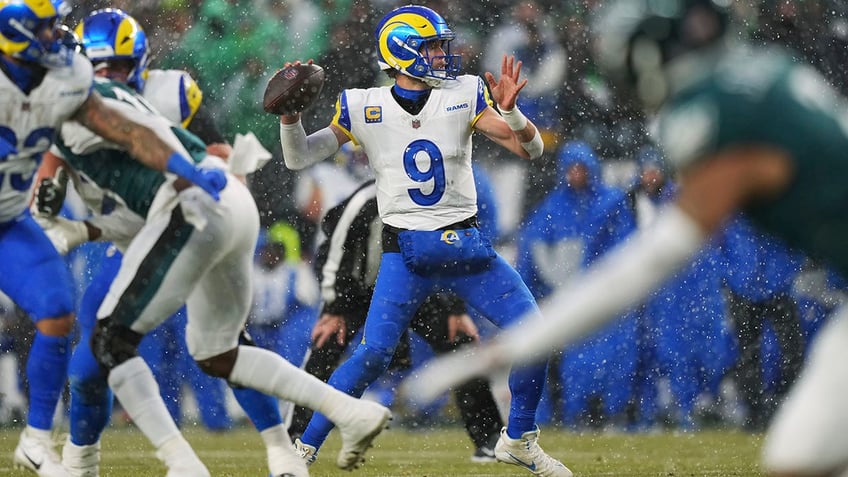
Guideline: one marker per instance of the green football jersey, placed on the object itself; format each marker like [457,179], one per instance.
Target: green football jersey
[761,97]
[114,169]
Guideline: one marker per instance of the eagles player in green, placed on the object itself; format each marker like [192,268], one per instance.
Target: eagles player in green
[183,248]
[747,129]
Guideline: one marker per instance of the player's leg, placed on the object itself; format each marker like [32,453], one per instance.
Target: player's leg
[321,362]
[806,435]
[159,349]
[36,278]
[264,412]
[91,398]
[263,370]
[501,296]
[218,309]
[397,294]
[477,406]
[158,272]
[209,392]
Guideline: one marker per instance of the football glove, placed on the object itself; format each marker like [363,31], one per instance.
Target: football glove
[51,193]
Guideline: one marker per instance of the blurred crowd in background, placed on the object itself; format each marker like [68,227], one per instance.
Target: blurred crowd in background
[718,345]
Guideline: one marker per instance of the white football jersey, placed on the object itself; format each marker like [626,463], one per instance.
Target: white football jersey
[30,122]
[422,162]
[174,93]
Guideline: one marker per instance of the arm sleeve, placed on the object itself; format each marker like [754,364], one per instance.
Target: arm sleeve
[300,150]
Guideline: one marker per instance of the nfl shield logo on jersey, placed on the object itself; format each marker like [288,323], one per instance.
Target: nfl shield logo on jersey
[416,123]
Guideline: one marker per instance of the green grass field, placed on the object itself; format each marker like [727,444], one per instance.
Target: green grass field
[443,452]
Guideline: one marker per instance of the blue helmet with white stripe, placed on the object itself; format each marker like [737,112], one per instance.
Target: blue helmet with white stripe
[110,35]
[401,37]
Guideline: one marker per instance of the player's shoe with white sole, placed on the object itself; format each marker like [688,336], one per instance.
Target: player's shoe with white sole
[81,461]
[286,462]
[36,453]
[526,453]
[306,452]
[367,421]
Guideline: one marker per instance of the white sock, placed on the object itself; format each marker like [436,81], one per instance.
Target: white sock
[136,389]
[269,373]
[40,434]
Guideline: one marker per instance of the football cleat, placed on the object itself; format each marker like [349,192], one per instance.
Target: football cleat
[36,453]
[286,461]
[525,452]
[81,461]
[306,452]
[359,433]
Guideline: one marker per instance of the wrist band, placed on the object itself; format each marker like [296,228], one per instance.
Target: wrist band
[514,119]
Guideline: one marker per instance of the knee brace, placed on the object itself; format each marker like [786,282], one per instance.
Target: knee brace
[113,343]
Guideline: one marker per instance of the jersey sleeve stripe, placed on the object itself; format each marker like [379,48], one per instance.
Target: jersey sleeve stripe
[482,102]
[342,116]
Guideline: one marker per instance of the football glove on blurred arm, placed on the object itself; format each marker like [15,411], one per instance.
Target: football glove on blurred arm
[50,194]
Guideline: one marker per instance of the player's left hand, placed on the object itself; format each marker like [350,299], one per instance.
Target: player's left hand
[505,90]
[462,324]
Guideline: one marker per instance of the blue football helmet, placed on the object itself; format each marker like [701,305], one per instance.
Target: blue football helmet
[401,36]
[30,31]
[111,34]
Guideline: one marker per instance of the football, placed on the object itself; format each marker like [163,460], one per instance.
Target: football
[293,89]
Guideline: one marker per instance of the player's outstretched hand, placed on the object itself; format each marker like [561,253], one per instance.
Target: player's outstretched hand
[505,90]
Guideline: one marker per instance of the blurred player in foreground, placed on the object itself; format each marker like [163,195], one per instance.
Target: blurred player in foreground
[194,250]
[43,84]
[746,128]
[417,136]
[117,46]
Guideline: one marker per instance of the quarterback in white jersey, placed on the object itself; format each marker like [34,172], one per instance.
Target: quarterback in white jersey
[43,84]
[417,136]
